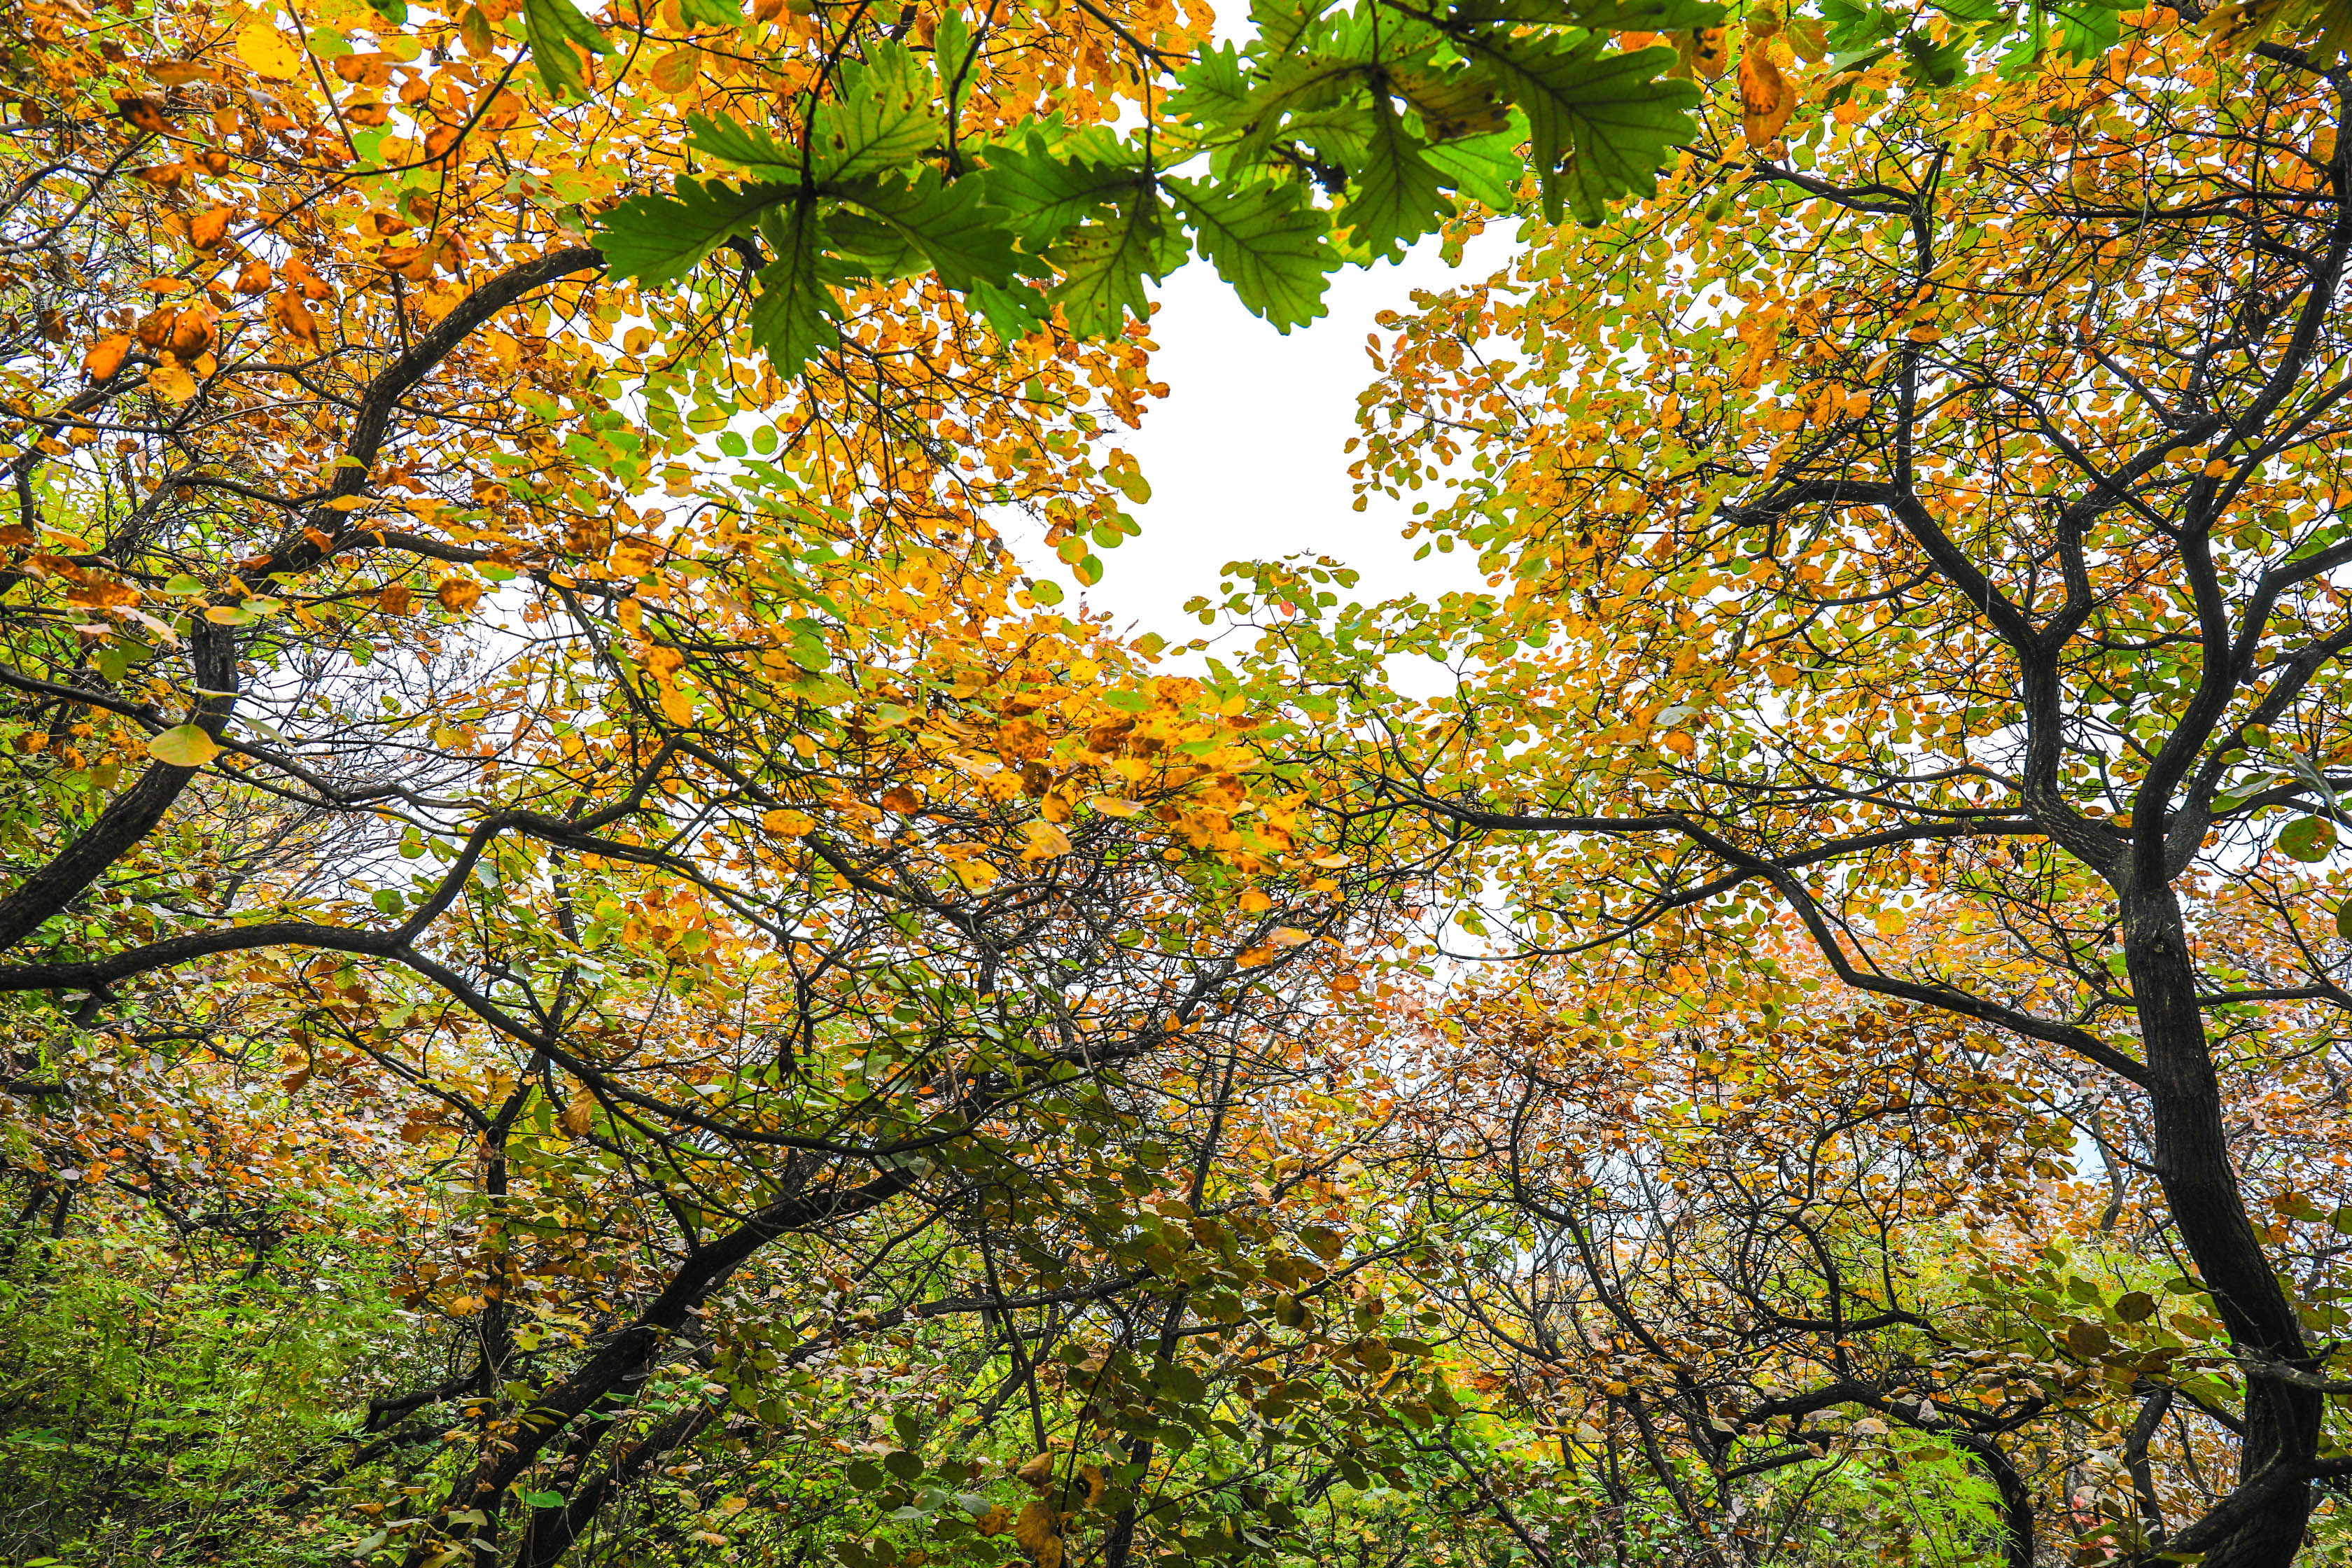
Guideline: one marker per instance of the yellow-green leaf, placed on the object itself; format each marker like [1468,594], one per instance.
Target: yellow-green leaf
[184,746]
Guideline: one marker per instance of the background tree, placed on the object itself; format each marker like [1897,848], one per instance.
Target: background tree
[1788,1269]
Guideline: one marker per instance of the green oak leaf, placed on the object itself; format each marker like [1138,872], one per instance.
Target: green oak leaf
[956,53]
[1268,241]
[884,116]
[1486,169]
[1613,120]
[1045,192]
[967,240]
[1398,196]
[552,27]
[1280,24]
[1010,312]
[751,147]
[1213,90]
[1103,265]
[658,240]
[796,315]
[1452,104]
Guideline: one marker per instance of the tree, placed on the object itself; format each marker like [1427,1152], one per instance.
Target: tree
[1784,1266]
[640,785]
[1935,518]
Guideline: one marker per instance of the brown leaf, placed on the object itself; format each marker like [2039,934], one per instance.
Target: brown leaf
[144,112]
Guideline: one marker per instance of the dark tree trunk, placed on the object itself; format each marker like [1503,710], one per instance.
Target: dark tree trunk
[133,814]
[2200,1187]
[2016,1498]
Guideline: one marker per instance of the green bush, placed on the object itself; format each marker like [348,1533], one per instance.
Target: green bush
[156,1398]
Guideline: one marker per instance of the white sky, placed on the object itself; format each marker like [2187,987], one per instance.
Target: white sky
[1245,455]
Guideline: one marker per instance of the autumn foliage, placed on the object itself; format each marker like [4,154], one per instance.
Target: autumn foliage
[598,970]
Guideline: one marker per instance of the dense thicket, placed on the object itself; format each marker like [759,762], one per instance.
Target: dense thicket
[595,972]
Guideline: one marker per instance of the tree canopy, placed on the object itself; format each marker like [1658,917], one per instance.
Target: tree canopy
[596,970]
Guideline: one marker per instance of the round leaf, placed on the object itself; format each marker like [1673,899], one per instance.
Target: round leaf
[184,746]
[2308,839]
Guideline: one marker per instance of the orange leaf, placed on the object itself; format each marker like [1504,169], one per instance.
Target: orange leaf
[207,229]
[458,595]
[1709,52]
[105,357]
[1766,98]
[295,317]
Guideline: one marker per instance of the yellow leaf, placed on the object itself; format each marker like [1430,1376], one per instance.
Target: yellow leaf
[995,1522]
[1112,806]
[676,704]
[184,746]
[265,48]
[1288,936]
[1045,840]
[1035,1528]
[731,1506]
[787,824]
[975,875]
[172,380]
[1331,862]
[1255,902]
